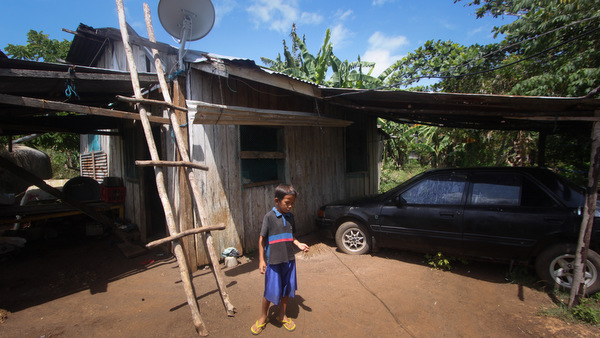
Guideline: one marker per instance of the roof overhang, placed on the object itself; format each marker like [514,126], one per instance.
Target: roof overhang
[480,111]
[31,93]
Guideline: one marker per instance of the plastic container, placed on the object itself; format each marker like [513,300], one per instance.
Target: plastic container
[112,195]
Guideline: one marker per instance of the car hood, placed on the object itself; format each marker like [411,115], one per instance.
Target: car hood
[355,202]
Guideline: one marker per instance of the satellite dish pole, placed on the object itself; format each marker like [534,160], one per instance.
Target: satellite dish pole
[186,20]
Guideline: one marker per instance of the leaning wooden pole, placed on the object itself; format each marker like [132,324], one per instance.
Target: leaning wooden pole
[160,179]
[207,236]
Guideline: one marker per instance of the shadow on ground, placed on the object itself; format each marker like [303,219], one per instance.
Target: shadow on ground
[49,269]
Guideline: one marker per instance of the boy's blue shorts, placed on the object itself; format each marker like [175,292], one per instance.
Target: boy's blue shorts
[280,281]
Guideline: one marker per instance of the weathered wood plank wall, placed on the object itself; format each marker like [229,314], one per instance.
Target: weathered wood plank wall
[314,161]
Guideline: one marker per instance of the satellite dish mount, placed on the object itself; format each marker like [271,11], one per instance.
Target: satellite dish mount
[186,20]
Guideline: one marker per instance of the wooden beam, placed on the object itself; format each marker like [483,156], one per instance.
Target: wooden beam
[184,233]
[451,111]
[149,163]
[74,108]
[149,101]
[49,74]
[277,155]
[221,114]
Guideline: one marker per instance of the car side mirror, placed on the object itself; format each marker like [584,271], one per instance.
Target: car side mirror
[399,201]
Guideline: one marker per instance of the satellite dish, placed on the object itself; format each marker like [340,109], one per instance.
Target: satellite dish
[186,20]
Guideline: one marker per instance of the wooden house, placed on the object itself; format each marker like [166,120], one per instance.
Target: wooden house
[251,127]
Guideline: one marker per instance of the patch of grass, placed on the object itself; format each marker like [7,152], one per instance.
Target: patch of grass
[587,311]
[440,261]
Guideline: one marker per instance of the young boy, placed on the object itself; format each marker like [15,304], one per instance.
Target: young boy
[279,267]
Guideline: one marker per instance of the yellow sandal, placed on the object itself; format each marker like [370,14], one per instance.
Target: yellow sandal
[286,323]
[259,328]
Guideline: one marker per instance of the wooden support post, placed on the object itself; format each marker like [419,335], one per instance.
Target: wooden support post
[208,242]
[587,222]
[185,207]
[160,179]
[542,138]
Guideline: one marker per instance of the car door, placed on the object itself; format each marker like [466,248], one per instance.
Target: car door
[426,216]
[506,214]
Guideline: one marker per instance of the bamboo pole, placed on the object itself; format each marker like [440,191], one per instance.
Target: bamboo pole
[186,233]
[142,163]
[160,179]
[208,242]
[150,101]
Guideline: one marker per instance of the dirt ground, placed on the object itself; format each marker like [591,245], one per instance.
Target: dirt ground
[61,289]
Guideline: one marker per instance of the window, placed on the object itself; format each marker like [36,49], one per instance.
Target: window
[356,148]
[443,189]
[261,154]
[508,190]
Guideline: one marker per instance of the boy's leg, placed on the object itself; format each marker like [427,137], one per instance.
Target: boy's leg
[283,308]
[287,322]
[265,310]
[260,323]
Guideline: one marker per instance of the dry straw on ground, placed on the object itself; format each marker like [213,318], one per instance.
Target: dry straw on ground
[314,251]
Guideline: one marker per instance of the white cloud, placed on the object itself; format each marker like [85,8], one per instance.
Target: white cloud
[222,8]
[447,25]
[378,40]
[475,31]
[381,2]
[381,50]
[280,14]
[310,18]
[341,15]
[339,35]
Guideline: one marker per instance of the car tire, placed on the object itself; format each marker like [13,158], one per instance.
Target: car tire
[555,267]
[353,238]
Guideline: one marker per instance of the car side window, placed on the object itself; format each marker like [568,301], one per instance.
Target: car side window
[534,196]
[496,189]
[441,189]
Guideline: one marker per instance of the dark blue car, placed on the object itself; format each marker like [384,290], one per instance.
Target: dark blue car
[522,215]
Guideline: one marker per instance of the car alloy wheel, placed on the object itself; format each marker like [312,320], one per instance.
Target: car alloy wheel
[563,267]
[556,266]
[353,238]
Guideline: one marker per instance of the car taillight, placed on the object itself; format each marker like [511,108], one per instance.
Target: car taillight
[321,213]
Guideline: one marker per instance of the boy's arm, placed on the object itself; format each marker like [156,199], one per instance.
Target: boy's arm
[301,245]
[262,264]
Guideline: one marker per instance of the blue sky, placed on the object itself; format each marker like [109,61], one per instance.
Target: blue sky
[381,31]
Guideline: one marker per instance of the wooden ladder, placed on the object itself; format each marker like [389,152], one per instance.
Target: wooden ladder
[160,178]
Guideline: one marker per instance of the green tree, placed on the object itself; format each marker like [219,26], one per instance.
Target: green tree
[556,42]
[39,48]
[450,62]
[63,148]
[300,63]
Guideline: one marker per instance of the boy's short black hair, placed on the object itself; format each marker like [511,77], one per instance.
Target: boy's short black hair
[285,189]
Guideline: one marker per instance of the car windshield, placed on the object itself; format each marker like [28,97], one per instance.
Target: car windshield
[392,192]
